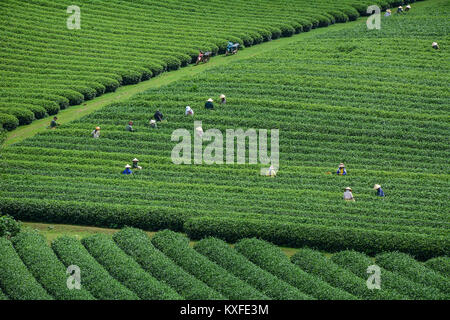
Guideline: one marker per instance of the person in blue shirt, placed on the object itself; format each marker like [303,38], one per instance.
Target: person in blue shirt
[127,170]
[380,192]
[341,170]
[388,13]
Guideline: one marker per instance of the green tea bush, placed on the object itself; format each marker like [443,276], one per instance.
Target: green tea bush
[316,263]
[42,262]
[440,265]
[127,271]
[15,279]
[8,226]
[138,245]
[221,253]
[358,263]
[176,247]
[273,260]
[93,276]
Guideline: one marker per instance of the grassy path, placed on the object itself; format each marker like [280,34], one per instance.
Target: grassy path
[125,92]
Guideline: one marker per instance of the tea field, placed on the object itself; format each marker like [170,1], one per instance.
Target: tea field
[48,63]
[131,265]
[376,100]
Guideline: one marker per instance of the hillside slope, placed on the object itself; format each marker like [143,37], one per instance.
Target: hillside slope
[374,99]
[47,66]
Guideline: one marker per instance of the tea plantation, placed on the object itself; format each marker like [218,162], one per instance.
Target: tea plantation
[376,100]
[131,265]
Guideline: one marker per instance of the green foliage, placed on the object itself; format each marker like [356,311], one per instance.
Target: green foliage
[440,265]
[176,247]
[8,121]
[358,263]
[406,266]
[221,253]
[42,262]
[15,279]
[93,276]
[296,235]
[273,260]
[8,226]
[126,270]
[316,263]
[139,246]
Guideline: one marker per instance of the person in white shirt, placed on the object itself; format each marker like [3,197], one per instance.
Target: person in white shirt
[199,131]
[96,133]
[272,173]
[189,111]
[348,196]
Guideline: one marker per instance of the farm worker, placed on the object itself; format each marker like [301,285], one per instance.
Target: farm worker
[272,173]
[135,164]
[209,104]
[127,170]
[223,99]
[380,192]
[189,111]
[348,196]
[400,9]
[96,132]
[152,123]
[341,170]
[129,127]
[199,58]
[199,131]
[435,45]
[158,115]
[53,123]
[388,13]
[408,7]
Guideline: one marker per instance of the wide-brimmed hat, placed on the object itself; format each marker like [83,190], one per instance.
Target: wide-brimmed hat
[348,188]
[210,100]
[127,166]
[408,6]
[97,128]
[388,10]
[341,165]
[376,187]
[135,160]
[222,96]
[400,7]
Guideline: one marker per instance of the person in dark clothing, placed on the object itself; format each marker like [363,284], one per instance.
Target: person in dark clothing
[209,104]
[380,192]
[400,9]
[158,116]
[129,127]
[54,124]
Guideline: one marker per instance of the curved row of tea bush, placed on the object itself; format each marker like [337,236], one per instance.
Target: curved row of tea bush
[93,276]
[176,247]
[357,263]
[42,262]
[139,246]
[157,266]
[15,279]
[130,274]
[71,66]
